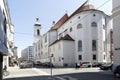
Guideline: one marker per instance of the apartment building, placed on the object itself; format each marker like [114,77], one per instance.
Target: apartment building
[6,35]
[28,53]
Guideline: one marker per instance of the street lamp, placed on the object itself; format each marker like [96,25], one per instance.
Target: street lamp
[51,64]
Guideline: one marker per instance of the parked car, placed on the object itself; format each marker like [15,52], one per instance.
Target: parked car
[26,64]
[97,64]
[106,66]
[37,63]
[117,72]
[86,64]
[48,64]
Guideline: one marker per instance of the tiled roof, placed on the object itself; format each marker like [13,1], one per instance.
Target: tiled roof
[60,22]
[84,7]
[66,37]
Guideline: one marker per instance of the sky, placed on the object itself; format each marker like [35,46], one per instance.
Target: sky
[24,13]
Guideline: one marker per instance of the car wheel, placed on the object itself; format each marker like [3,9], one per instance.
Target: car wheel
[117,75]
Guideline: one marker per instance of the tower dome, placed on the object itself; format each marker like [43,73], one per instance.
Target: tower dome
[37,23]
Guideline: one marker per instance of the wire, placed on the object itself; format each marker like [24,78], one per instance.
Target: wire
[80,19]
[23,33]
[103,4]
[96,8]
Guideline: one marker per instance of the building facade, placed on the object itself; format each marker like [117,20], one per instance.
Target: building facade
[28,53]
[6,35]
[116,30]
[84,36]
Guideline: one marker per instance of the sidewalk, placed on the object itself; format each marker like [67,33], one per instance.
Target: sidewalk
[28,74]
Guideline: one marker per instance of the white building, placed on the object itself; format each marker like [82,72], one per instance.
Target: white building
[84,36]
[41,43]
[9,30]
[6,35]
[116,31]
[28,53]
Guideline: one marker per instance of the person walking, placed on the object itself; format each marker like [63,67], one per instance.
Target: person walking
[81,65]
[5,68]
[76,65]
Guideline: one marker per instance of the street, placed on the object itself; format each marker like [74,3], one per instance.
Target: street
[59,74]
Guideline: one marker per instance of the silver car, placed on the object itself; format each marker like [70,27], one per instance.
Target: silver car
[26,64]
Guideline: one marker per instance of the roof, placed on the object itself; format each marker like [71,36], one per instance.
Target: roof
[60,22]
[84,7]
[66,37]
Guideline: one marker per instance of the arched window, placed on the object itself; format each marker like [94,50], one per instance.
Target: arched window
[79,26]
[94,45]
[71,29]
[38,32]
[79,45]
[94,24]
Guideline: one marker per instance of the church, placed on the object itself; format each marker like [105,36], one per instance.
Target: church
[84,36]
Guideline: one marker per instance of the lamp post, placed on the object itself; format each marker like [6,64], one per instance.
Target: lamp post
[51,64]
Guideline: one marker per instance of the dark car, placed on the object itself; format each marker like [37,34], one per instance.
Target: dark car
[37,63]
[97,64]
[117,72]
[48,64]
[106,66]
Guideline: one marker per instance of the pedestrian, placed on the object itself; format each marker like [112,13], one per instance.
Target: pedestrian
[5,68]
[81,65]
[76,65]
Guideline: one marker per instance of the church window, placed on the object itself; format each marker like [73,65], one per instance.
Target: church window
[94,24]
[38,32]
[79,26]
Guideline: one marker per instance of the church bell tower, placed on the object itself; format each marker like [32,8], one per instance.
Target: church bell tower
[37,28]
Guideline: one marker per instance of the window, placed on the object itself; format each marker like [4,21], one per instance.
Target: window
[79,45]
[79,17]
[94,15]
[104,57]
[45,39]
[80,57]
[94,24]
[41,45]
[65,30]
[103,26]
[38,32]
[71,29]
[94,47]
[94,57]
[60,35]
[79,26]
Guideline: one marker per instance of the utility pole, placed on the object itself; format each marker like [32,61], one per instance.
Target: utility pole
[1,66]
[51,65]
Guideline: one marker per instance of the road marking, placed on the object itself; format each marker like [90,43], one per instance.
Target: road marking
[40,72]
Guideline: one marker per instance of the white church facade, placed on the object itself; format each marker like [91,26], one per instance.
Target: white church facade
[116,32]
[84,36]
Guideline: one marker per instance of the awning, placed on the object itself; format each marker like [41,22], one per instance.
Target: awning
[3,49]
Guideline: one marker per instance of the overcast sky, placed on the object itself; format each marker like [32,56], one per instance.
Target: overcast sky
[24,12]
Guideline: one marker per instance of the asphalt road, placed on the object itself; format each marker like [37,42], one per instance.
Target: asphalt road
[59,74]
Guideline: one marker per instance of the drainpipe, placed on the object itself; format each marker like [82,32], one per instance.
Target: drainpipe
[1,66]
